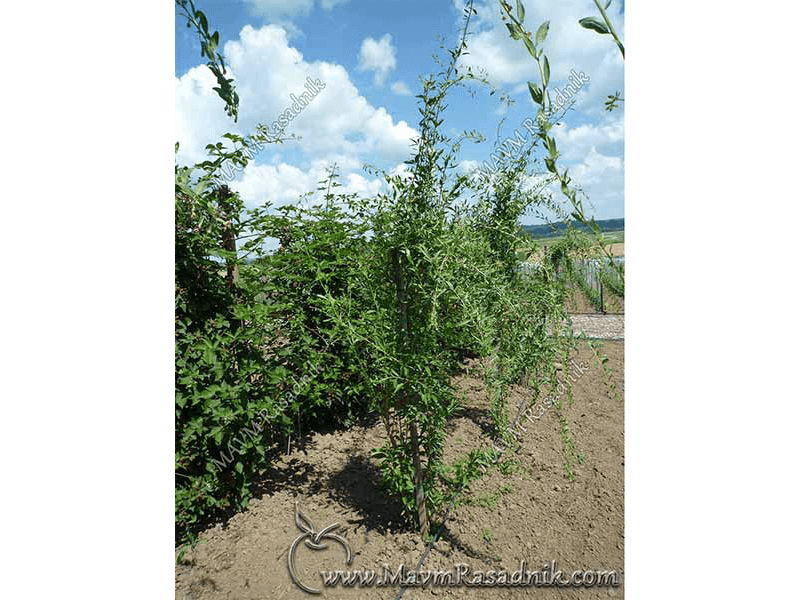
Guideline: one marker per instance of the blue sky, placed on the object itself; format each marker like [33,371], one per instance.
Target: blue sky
[370,55]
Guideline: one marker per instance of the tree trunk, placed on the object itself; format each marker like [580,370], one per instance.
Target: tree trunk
[405,333]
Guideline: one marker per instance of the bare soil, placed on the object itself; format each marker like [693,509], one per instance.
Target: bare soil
[532,513]
[579,303]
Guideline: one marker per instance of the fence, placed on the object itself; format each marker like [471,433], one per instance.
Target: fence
[527,268]
[591,268]
[594,272]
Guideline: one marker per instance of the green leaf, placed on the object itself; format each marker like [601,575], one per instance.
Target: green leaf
[541,33]
[536,93]
[594,24]
[529,45]
[514,30]
[545,71]
[217,435]
[203,21]
[233,137]
[551,147]
[520,11]
[542,122]
[239,467]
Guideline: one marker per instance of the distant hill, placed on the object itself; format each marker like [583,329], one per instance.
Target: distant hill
[555,229]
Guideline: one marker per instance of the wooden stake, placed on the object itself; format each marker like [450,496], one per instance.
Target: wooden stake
[228,239]
[422,509]
[402,303]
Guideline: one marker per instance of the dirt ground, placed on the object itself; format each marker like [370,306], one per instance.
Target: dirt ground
[579,303]
[533,513]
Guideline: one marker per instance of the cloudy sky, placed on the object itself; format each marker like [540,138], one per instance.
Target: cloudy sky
[369,56]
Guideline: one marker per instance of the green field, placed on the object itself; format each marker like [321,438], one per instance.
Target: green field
[614,237]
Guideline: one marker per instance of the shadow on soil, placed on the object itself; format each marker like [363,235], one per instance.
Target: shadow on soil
[482,417]
[357,486]
[296,474]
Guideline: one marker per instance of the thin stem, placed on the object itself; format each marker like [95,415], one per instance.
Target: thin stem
[610,27]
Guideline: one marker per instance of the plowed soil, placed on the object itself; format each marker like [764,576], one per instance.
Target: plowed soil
[532,513]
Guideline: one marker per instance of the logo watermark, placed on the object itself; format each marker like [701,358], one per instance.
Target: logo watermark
[265,134]
[313,87]
[462,575]
[576,372]
[465,576]
[257,425]
[313,540]
[563,97]
[553,399]
[509,148]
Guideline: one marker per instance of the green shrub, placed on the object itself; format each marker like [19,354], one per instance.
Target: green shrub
[368,305]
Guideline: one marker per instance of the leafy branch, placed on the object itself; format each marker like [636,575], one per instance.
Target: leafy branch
[604,27]
[596,347]
[613,100]
[541,97]
[209,42]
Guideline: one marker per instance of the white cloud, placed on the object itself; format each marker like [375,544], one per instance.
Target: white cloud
[468,166]
[278,184]
[283,12]
[576,142]
[329,4]
[568,46]
[601,178]
[403,170]
[497,55]
[592,151]
[194,96]
[279,9]
[338,125]
[377,55]
[357,184]
[596,167]
[401,89]
[284,184]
